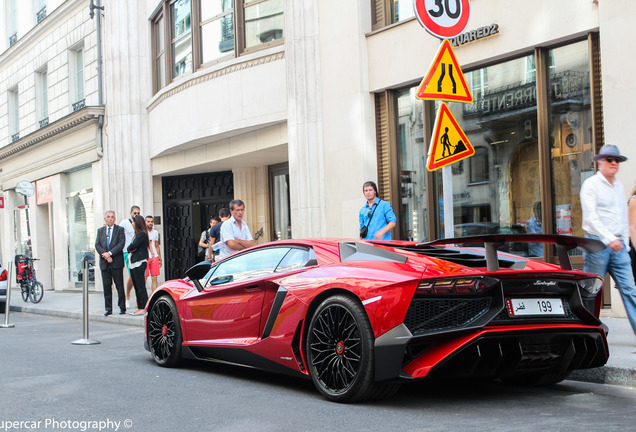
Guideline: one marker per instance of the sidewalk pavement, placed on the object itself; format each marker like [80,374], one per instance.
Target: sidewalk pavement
[619,370]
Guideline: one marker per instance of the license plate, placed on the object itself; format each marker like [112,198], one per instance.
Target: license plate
[535,306]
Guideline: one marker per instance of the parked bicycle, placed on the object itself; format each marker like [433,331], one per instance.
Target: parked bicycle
[30,287]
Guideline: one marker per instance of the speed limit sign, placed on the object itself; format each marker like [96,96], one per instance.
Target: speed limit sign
[443,18]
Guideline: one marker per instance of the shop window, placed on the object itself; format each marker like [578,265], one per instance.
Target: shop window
[499,125]
[412,166]
[81,229]
[522,172]
[571,138]
[209,31]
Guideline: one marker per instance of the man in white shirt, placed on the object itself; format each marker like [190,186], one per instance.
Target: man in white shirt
[154,253]
[126,224]
[604,206]
[235,234]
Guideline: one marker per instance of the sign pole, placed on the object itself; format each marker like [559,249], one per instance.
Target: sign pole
[86,340]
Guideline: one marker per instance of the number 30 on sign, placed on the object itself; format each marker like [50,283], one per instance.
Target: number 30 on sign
[443,18]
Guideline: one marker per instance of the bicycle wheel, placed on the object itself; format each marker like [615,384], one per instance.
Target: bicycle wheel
[37,291]
[24,290]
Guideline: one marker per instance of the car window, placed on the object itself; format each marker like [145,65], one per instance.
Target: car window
[251,265]
[297,258]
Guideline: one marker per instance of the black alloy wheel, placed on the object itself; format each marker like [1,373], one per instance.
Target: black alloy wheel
[164,332]
[340,352]
[37,292]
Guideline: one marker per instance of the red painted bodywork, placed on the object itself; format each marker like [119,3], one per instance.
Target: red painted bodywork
[234,314]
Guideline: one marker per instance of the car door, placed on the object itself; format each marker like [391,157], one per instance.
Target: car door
[228,310]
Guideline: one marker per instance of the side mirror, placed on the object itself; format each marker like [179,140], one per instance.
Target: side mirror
[198,271]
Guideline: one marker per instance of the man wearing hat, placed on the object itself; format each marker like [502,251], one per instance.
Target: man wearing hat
[604,206]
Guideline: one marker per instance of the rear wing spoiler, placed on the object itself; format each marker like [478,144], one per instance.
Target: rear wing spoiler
[491,242]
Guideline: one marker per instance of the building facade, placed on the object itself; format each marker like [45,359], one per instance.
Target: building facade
[291,107]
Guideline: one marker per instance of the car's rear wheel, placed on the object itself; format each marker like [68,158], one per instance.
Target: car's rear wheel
[164,332]
[37,292]
[340,352]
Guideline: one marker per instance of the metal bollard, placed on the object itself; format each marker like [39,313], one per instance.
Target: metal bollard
[8,302]
[85,340]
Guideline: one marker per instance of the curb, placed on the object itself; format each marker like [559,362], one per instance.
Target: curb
[625,377]
[129,320]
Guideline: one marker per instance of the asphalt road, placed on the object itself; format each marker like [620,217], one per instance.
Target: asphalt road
[47,382]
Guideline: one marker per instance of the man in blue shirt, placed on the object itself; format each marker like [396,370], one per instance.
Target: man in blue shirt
[376,215]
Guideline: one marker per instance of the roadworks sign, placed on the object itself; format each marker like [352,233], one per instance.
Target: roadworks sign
[449,143]
[445,80]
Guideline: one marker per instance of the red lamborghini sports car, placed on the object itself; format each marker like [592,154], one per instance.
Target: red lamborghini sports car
[358,318]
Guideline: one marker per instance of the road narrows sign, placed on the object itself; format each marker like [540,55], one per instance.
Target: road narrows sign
[445,79]
[443,18]
[449,143]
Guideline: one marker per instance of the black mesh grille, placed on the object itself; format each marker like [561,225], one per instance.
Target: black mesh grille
[433,314]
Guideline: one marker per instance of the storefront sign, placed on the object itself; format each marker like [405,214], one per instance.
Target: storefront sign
[449,143]
[443,18]
[44,191]
[445,80]
[474,35]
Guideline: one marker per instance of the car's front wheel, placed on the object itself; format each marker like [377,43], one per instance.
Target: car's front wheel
[340,352]
[164,332]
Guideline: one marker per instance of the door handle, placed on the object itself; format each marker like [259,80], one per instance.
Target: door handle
[252,288]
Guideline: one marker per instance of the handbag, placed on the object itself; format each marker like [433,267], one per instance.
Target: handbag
[365,229]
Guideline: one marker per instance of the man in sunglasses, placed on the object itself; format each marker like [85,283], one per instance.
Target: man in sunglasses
[604,206]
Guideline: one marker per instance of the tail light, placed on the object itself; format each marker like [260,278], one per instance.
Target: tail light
[591,285]
[3,276]
[465,285]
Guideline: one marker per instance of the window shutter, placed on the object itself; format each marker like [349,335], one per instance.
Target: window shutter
[383,145]
[598,134]
[378,15]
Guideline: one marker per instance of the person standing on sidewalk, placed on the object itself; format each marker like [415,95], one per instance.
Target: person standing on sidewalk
[138,250]
[109,244]
[376,217]
[235,234]
[127,225]
[154,251]
[605,218]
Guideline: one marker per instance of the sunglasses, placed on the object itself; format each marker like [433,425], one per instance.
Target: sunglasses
[610,160]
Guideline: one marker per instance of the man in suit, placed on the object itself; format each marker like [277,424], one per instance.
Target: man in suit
[109,244]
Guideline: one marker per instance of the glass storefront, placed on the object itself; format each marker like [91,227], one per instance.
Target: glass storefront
[412,222]
[499,189]
[80,216]
[571,138]
[281,215]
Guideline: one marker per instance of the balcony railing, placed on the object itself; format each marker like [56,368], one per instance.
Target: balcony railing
[15,137]
[44,122]
[13,39]
[41,14]
[79,105]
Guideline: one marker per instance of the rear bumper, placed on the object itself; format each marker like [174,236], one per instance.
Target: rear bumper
[495,352]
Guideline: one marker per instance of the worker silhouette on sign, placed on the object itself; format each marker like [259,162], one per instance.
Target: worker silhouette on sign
[448,146]
[450,75]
